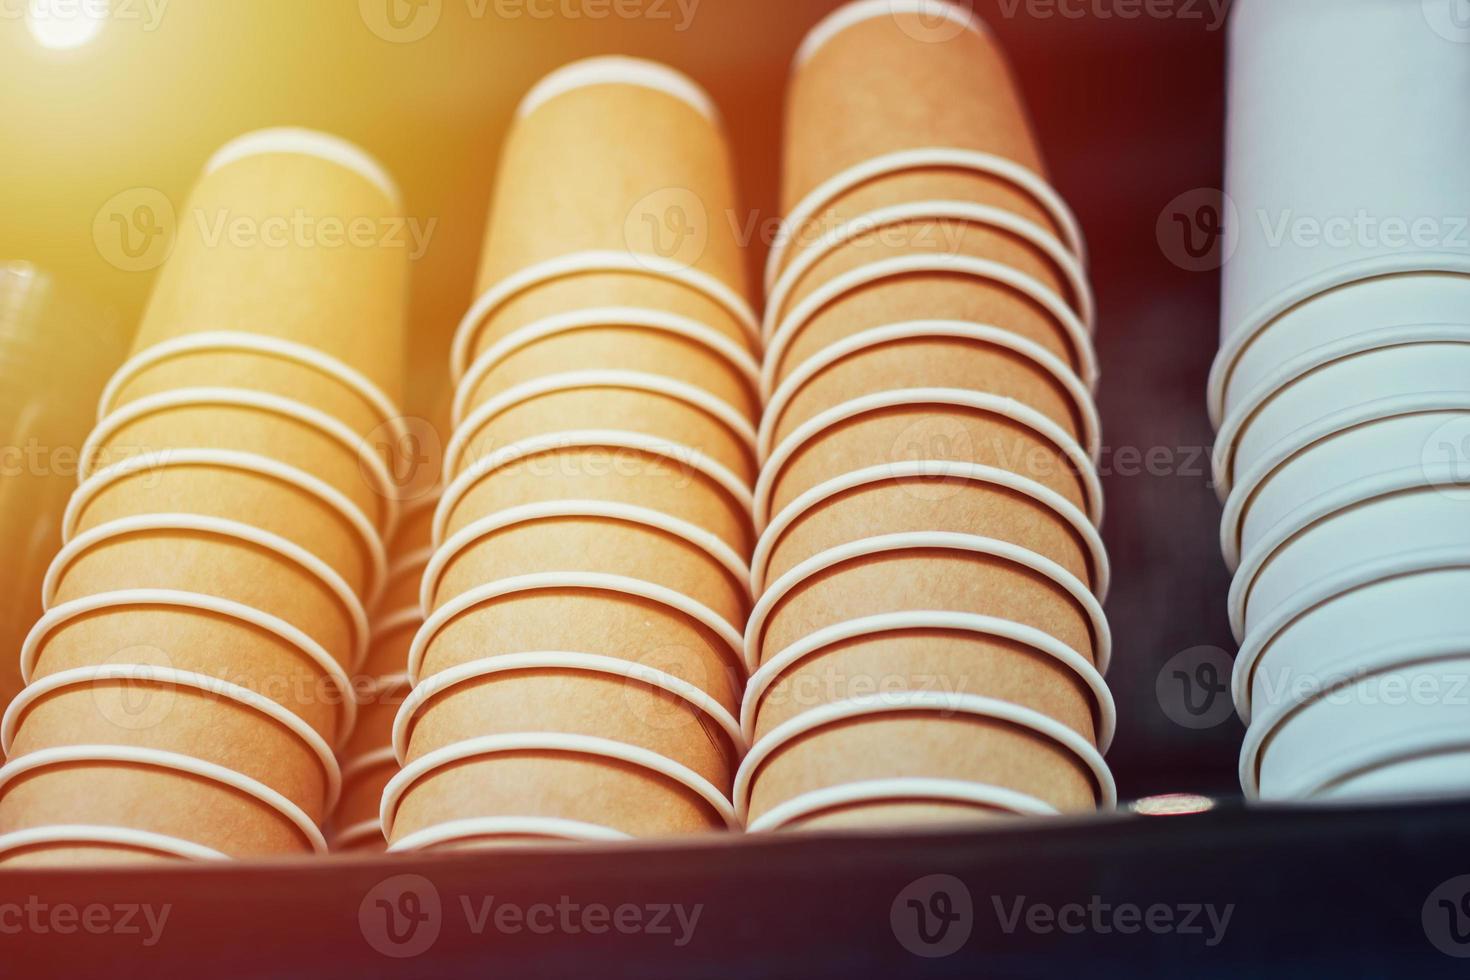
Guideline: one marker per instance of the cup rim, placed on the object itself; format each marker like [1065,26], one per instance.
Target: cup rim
[163,676]
[932,469]
[618,70]
[1105,713]
[473,532]
[930,701]
[585,581]
[128,837]
[779,400]
[923,158]
[552,828]
[954,791]
[969,212]
[176,762]
[253,463]
[550,384]
[591,663]
[561,742]
[307,142]
[1318,358]
[594,261]
[249,534]
[603,317]
[885,544]
[1044,427]
[209,605]
[1308,289]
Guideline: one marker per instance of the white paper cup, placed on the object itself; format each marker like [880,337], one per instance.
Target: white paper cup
[1332,314]
[1436,773]
[1353,526]
[1345,114]
[1399,707]
[1404,436]
[1366,367]
[1347,616]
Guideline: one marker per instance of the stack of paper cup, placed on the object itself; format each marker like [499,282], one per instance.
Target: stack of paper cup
[928,644]
[579,671]
[191,674]
[56,352]
[367,759]
[1341,399]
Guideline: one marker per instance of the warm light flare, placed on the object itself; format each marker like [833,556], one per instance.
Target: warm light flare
[62,25]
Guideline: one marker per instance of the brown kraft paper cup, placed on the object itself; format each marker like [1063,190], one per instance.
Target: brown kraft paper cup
[201,643]
[581,703]
[571,180]
[916,504]
[251,430]
[415,530]
[623,348]
[347,301]
[926,236]
[150,798]
[963,747]
[613,547]
[403,589]
[81,855]
[254,371]
[941,295]
[883,814]
[928,579]
[361,796]
[212,564]
[668,418]
[378,705]
[670,485]
[922,432]
[589,290]
[937,362]
[887,84]
[938,660]
[388,652]
[934,183]
[182,720]
[256,499]
[571,786]
[585,621]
